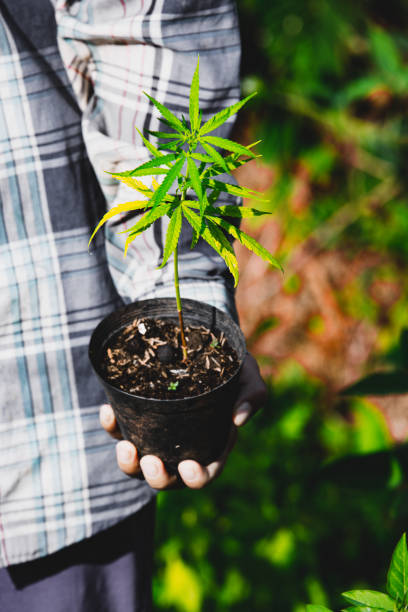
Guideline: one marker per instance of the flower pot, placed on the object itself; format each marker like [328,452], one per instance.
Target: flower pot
[172,429]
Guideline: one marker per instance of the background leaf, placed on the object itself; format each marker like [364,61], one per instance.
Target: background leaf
[380,383]
[370,598]
[397,578]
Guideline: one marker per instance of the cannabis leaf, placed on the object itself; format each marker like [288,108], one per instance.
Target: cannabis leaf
[222,116]
[173,233]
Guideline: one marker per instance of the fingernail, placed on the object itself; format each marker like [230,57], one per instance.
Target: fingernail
[107,415]
[242,414]
[188,472]
[150,468]
[125,452]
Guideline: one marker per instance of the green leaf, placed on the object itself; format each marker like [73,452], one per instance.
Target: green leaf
[171,119]
[239,212]
[155,152]
[316,608]
[132,182]
[223,115]
[167,135]
[230,161]
[194,178]
[172,235]
[380,383]
[174,146]
[229,145]
[215,156]
[362,609]
[397,578]
[200,157]
[146,221]
[232,189]
[163,188]
[249,242]
[385,51]
[370,598]
[119,208]
[159,160]
[194,98]
[215,239]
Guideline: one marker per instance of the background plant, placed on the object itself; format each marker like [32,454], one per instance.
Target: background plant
[396,598]
[315,494]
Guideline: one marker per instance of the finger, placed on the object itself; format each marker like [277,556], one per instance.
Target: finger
[197,476]
[155,473]
[108,421]
[126,455]
[252,393]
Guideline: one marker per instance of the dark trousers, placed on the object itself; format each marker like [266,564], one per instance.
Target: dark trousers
[110,572]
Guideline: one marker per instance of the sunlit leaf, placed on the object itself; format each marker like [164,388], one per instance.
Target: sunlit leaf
[216,240]
[249,242]
[145,222]
[216,157]
[229,145]
[167,135]
[233,189]
[132,182]
[195,179]
[119,208]
[397,577]
[375,599]
[194,98]
[167,114]
[200,157]
[154,163]
[172,235]
[163,188]
[155,152]
[239,212]
[223,115]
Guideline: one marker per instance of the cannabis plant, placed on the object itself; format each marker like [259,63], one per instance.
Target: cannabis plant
[188,156]
[396,598]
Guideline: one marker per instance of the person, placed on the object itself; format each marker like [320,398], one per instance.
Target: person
[76,533]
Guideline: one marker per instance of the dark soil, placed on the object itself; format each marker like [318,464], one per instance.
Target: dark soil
[145,358]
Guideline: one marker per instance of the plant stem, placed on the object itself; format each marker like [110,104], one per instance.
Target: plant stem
[179,310]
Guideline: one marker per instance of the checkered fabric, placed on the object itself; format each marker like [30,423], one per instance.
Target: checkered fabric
[71,81]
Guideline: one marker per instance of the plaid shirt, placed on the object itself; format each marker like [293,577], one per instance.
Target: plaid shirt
[72,75]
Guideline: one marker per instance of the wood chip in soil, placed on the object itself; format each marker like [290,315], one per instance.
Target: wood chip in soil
[145,358]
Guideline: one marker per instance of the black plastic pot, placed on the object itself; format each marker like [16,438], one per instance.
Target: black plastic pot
[172,429]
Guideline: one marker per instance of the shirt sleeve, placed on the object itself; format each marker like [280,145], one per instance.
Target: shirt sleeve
[113,50]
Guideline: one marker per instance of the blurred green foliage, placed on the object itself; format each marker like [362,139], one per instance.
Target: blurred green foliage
[315,496]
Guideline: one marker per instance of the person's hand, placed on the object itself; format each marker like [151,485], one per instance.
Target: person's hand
[252,394]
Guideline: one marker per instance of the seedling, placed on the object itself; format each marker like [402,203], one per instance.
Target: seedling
[190,158]
[173,386]
[214,343]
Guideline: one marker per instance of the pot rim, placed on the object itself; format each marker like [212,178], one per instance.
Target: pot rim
[166,400]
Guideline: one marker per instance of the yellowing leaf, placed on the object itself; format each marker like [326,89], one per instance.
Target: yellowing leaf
[120,208]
